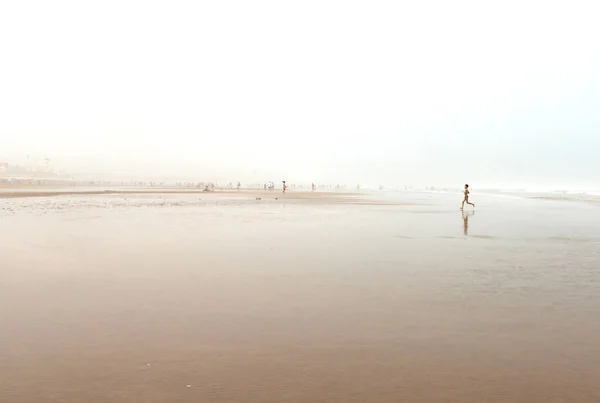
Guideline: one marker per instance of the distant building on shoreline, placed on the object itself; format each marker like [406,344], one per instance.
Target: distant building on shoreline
[30,172]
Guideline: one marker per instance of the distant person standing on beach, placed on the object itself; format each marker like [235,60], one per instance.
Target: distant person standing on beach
[284,187]
[466,199]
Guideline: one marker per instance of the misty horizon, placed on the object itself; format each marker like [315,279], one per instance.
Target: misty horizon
[327,92]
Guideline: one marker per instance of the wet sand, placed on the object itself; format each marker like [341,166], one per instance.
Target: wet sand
[225,298]
[70,196]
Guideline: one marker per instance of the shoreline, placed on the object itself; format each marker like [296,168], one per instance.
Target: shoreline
[566,198]
[307,197]
[37,192]
[341,196]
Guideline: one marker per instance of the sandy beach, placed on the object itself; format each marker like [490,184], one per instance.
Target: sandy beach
[145,297]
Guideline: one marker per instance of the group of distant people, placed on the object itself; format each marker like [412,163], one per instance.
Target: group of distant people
[270,186]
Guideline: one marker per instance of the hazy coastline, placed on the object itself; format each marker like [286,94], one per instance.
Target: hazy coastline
[299,202]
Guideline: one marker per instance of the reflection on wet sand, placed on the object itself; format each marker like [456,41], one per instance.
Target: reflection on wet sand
[465,216]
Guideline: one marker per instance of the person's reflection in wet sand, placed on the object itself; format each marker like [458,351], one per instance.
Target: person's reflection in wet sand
[465,217]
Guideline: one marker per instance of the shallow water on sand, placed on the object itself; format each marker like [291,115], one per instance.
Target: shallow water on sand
[194,298]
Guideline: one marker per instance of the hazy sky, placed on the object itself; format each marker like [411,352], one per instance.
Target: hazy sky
[493,93]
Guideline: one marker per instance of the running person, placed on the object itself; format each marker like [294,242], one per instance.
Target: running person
[466,199]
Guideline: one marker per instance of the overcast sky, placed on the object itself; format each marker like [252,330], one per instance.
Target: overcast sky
[492,93]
